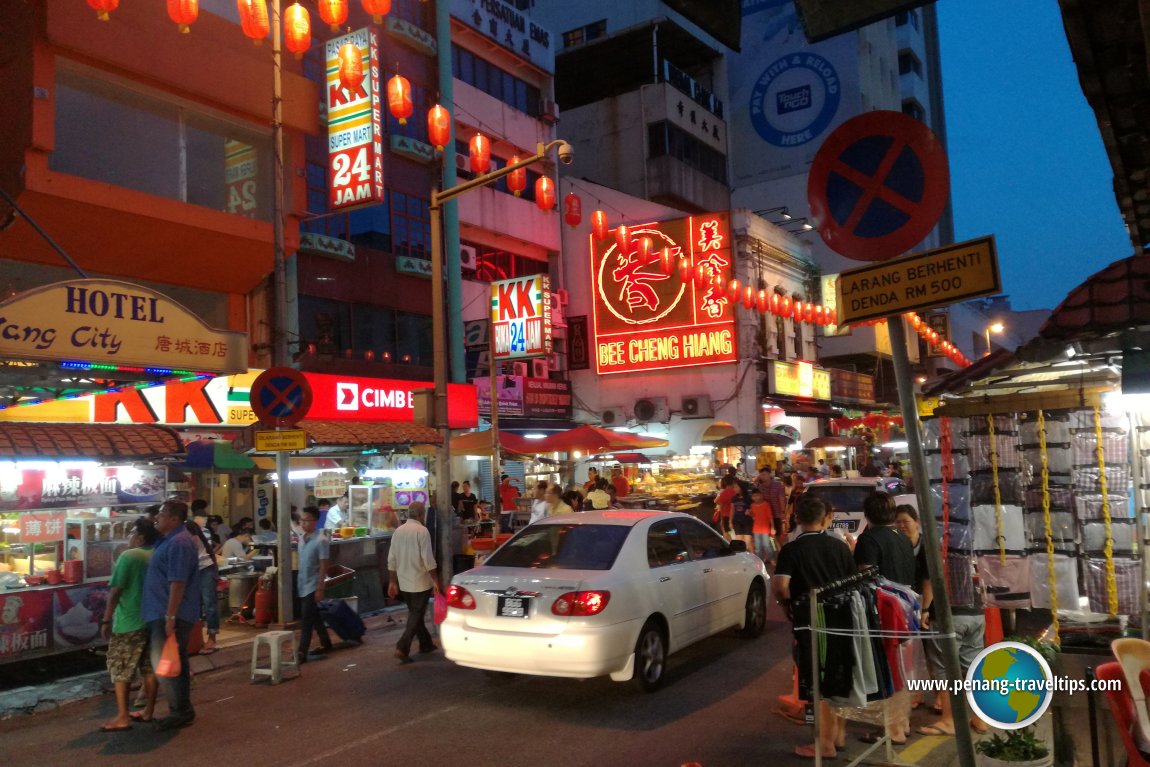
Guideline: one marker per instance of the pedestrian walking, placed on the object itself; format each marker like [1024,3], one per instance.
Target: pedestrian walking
[209,573]
[125,629]
[171,605]
[412,577]
[314,554]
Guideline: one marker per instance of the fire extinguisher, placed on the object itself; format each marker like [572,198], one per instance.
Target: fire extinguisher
[265,602]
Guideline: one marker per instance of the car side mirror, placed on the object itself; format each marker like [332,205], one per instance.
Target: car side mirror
[737,547]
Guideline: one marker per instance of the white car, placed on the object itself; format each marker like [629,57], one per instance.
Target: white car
[846,497]
[602,593]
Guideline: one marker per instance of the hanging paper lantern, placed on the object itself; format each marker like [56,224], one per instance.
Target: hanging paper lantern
[350,67]
[645,246]
[667,260]
[439,127]
[103,7]
[517,181]
[700,275]
[479,150]
[808,312]
[748,297]
[377,8]
[915,321]
[762,301]
[184,13]
[333,12]
[254,19]
[623,238]
[797,311]
[684,270]
[399,98]
[785,306]
[573,210]
[833,316]
[297,30]
[544,194]
[820,316]
[733,288]
[599,226]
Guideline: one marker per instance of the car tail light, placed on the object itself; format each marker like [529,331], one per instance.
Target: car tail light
[581,603]
[460,598]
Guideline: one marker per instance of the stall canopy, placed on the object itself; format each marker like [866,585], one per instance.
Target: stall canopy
[479,443]
[718,430]
[755,440]
[329,434]
[825,442]
[592,439]
[631,458]
[93,441]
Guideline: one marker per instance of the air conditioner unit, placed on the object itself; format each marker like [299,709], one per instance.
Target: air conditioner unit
[550,113]
[652,409]
[468,256]
[540,368]
[613,416]
[462,162]
[519,369]
[697,406]
[558,316]
[561,296]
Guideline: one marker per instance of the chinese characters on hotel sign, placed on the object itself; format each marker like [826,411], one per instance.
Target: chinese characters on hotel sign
[648,319]
[354,126]
[521,317]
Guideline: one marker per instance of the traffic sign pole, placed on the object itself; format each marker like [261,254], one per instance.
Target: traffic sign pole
[943,621]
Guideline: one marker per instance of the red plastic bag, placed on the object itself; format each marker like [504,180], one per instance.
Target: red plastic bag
[440,609]
[169,665]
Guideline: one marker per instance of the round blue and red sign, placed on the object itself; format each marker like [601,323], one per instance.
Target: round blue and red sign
[878,185]
[281,396]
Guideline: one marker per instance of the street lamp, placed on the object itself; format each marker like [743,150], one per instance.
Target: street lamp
[439,353]
[994,327]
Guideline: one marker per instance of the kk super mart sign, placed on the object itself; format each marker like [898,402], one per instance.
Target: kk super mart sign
[354,123]
[649,319]
[521,317]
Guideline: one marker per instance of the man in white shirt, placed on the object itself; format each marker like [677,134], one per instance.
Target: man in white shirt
[335,515]
[413,578]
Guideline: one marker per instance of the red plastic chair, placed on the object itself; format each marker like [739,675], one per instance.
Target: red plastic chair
[1122,706]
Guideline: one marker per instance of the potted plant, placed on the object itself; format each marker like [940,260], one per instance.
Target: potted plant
[1018,748]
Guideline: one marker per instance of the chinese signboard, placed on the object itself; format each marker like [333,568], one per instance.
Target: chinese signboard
[348,398]
[114,323]
[578,347]
[41,526]
[799,379]
[848,386]
[508,27]
[25,623]
[529,397]
[354,127]
[65,487]
[647,319]
[521,317]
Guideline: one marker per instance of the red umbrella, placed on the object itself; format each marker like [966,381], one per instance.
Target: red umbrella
[592,439]
[479,443]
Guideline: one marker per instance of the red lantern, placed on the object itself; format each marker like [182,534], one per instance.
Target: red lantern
[254,19]
[733,288]
[297,29]
[517,180]
[623,238]
[776,304]
[667,260]
[184,13]
[599,226]
[439,127]
[377,8]
[820,316]
[399,98]
[684,270]
[479,149]
[103,7]
[544,194]
[915,321]
[762,302]
[700,275]
[573,210]
[350,67]
[785,305]
[333,12]
[808,312]
[645,246]
[748,297]
[832,316]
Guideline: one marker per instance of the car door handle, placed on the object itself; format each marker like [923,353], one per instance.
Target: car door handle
[664,579]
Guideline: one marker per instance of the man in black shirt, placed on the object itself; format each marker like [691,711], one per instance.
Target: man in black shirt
[810,561]
[882,545]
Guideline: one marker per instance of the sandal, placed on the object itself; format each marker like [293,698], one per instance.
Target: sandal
[808,752]
[874,737]
[138,716]
[933,729]
[115,727]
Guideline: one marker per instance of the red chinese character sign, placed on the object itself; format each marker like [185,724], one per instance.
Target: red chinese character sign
[646,316]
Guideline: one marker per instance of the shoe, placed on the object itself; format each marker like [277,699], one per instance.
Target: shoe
[403,657]
[175,721]
[427,650]
[316,655]
[321,650]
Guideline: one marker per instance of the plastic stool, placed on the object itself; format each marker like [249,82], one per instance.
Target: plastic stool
[281,655]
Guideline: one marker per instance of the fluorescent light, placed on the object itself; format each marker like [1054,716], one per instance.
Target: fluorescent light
[895,445]
[474,457]
[50,465]
[534,436]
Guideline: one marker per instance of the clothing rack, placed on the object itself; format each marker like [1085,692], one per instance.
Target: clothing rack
[868,574]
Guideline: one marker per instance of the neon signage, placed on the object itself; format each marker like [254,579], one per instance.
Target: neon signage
[521,317]
[354,126]
[647,319]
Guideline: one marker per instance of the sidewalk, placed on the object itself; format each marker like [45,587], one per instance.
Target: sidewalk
[233,648]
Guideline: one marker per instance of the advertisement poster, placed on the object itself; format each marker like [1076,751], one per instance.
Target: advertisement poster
[25,623]
[80,487]
[76,615]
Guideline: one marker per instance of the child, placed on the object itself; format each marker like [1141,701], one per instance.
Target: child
[764,527]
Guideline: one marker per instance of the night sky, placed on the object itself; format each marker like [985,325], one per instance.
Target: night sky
[1026,160]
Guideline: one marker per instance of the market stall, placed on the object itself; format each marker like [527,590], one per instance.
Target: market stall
[68,496]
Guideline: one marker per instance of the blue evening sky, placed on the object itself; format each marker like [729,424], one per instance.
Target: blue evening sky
[1026,160]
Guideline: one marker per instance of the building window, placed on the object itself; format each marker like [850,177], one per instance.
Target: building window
[666,139]
[908,64]
[586,34]
[913,109]
[573,38]
[495,82]
[362,332]
[418,12]
[903,18]
[492,265]
[133,140]
[369,226]
[410,225]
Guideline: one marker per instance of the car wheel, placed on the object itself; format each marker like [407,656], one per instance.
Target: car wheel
[650,657]
[756,612]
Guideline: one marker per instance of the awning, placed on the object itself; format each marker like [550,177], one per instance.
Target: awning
[718,430]
[630,458]
[804,408]
[298,463]
[125,442]
[356,434]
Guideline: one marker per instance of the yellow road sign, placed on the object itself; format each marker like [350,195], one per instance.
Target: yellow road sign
[922,281]
[278,441]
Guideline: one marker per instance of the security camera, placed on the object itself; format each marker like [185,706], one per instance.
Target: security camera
[566,153]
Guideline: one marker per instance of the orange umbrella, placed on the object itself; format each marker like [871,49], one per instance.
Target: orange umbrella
[479,443]
[593,439]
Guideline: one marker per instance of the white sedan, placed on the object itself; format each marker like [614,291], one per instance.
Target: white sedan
[594,593]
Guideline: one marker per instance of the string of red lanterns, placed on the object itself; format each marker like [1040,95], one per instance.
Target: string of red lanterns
[333,12]
[297,29]
[254,20]
[183,13]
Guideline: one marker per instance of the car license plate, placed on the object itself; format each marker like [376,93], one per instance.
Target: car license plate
[514,607]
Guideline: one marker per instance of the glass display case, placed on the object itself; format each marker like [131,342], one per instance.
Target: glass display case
[370,508]
[27,555]
[97,541]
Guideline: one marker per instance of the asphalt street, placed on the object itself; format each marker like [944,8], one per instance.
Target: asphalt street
[359,707]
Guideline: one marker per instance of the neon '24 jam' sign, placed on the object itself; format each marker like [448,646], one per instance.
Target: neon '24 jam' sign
[647,318]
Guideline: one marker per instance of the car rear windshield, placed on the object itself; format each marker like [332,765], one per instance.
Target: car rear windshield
[563,547]
[842,499]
